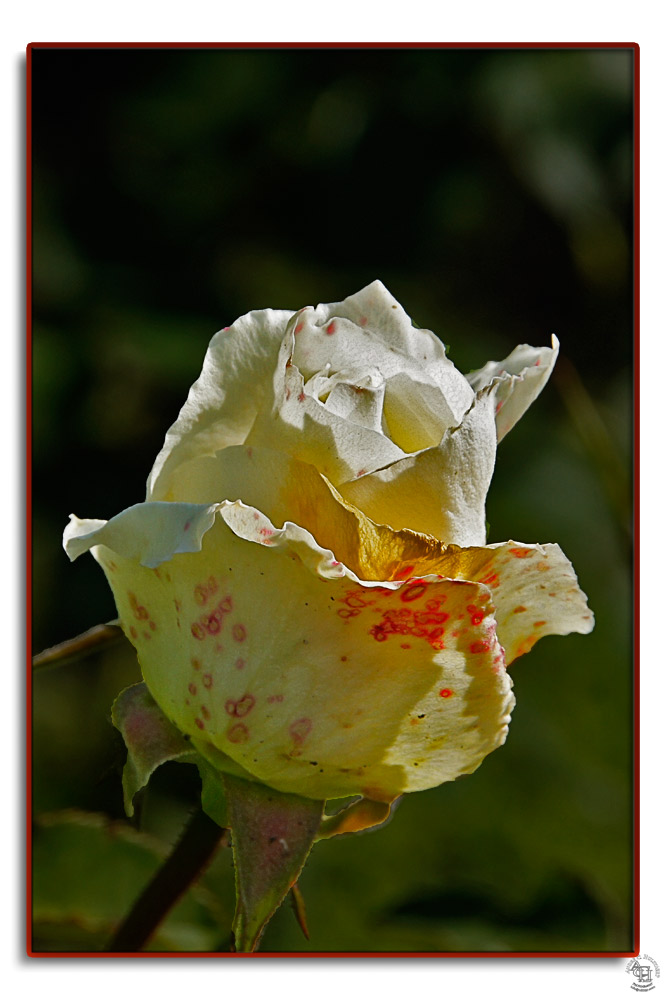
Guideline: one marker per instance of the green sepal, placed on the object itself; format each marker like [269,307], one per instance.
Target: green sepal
[272,834]
[213,799]
[151,739]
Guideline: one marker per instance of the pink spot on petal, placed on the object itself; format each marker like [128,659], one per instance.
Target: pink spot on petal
[241,707]
[238,733]
[300,729]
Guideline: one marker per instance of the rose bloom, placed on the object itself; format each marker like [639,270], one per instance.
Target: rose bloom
[308,585]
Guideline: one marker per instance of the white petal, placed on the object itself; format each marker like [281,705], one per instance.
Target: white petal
[371,328]
[236,380]
[518,380]
[303,427]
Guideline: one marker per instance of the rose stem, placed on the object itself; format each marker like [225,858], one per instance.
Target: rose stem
[99,637]
[192,853]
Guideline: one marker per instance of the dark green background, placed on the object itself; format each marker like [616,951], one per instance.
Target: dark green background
[491,191]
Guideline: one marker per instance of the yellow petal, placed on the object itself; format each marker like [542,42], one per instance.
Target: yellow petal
[311,680]
[440,491]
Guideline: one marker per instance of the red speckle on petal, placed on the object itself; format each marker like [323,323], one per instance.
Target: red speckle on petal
[240,663]
[476,614]
[519,610]
[186,527]
[445,693]
[298,327]
[192,688]
[199,723]
[404,573]
[330,329]
[521,553]
[275,697]
[197,631]
[133,632]
[539,624]
[363,321]
[205,712]
[139,612]
[479,647]
[239,633]
[413,592]
[301,397]
[207,680]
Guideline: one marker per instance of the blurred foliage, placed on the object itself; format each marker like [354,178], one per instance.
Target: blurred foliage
[491,191]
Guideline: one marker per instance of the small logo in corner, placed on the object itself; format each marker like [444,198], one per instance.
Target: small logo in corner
[645,971]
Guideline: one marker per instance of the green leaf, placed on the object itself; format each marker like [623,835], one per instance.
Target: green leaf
[272,834]
[87,873]
[151,739]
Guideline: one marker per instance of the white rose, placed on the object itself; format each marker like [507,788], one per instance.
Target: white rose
[307,584]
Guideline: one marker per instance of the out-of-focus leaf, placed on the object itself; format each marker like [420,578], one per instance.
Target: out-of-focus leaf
[88,871]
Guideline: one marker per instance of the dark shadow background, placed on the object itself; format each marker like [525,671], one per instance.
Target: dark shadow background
[491,191]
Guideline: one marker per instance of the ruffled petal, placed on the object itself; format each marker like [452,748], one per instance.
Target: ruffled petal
[517,381]
[534,588]
[264,645]
[222,404]
[372,328]
[440,491]
[300,425]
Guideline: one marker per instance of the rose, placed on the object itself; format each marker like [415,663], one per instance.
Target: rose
[307,584]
